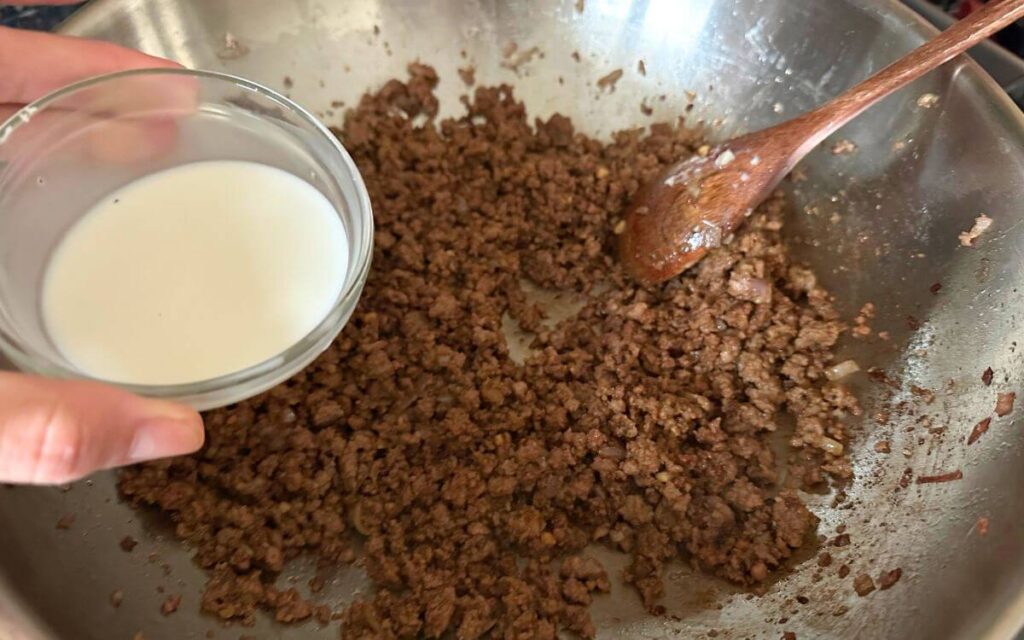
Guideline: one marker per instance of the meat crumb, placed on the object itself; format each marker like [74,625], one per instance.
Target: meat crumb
[863,584]
[860,323]
[986,376]
[641,68]
[515,59]
[789,635]
[844,570]
[905,478]
[825,559]
[978,431]
[468,75]
[889,578]
[842,540]
[66,521]
[883,446]
[935,288]
[942,477]
[116,598]
[981,526]
[609,80]
[926,395]
[1004,403]
[843,146]
[233,48]
[171,604]
[128,544]
[981,225]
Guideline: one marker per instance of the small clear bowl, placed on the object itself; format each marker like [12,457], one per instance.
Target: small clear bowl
[63,153]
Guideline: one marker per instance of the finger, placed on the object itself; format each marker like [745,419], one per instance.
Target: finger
[52,432]
[85,137]
[35,63]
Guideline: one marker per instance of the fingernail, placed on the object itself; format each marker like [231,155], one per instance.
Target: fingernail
[153,408]
[164,437]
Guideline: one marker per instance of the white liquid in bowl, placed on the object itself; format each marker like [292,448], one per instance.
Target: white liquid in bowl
[194,272]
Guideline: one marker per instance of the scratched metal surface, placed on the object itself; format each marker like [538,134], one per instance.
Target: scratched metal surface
[880,225]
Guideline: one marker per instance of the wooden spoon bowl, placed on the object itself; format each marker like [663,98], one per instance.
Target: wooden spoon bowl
[698,203]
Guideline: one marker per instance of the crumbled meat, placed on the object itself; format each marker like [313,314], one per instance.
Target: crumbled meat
[116,598]
[942,477]
[926,395]
[863,584]
[981,526]
[986,376]
[935,288]
[128,544]
[905,478]
[66,521]
[843,146]
[470,483]
[889,578]
[515,59]
[1004,403]
[844,570]
[609,80]
[860,323]
[170,605]
[978,430]
[883,446]
[981,225]
[468,75]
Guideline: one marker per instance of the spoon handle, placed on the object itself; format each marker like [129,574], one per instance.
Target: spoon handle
[953,41]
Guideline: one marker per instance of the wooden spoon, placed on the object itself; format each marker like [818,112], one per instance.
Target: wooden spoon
[696,204]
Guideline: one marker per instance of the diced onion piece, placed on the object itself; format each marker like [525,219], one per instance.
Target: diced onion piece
[828,445]
[841,370]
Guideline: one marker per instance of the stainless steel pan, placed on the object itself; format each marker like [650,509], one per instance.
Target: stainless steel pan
[920,177]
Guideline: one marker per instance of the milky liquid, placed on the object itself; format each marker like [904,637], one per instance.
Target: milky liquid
[194,272]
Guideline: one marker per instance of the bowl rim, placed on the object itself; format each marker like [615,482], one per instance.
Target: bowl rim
[329,325]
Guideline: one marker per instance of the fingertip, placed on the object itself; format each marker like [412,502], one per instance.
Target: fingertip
[165,437]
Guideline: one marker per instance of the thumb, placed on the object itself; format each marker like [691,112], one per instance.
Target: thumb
[52,432]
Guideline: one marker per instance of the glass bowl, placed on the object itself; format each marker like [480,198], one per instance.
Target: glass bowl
[63,153]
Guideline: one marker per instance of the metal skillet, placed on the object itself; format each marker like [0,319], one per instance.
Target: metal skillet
[919,177]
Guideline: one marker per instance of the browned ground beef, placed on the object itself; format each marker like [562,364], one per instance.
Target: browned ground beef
[642,423]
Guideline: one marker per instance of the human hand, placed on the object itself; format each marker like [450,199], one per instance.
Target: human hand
[52,431]
[55,431]
[32,64]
